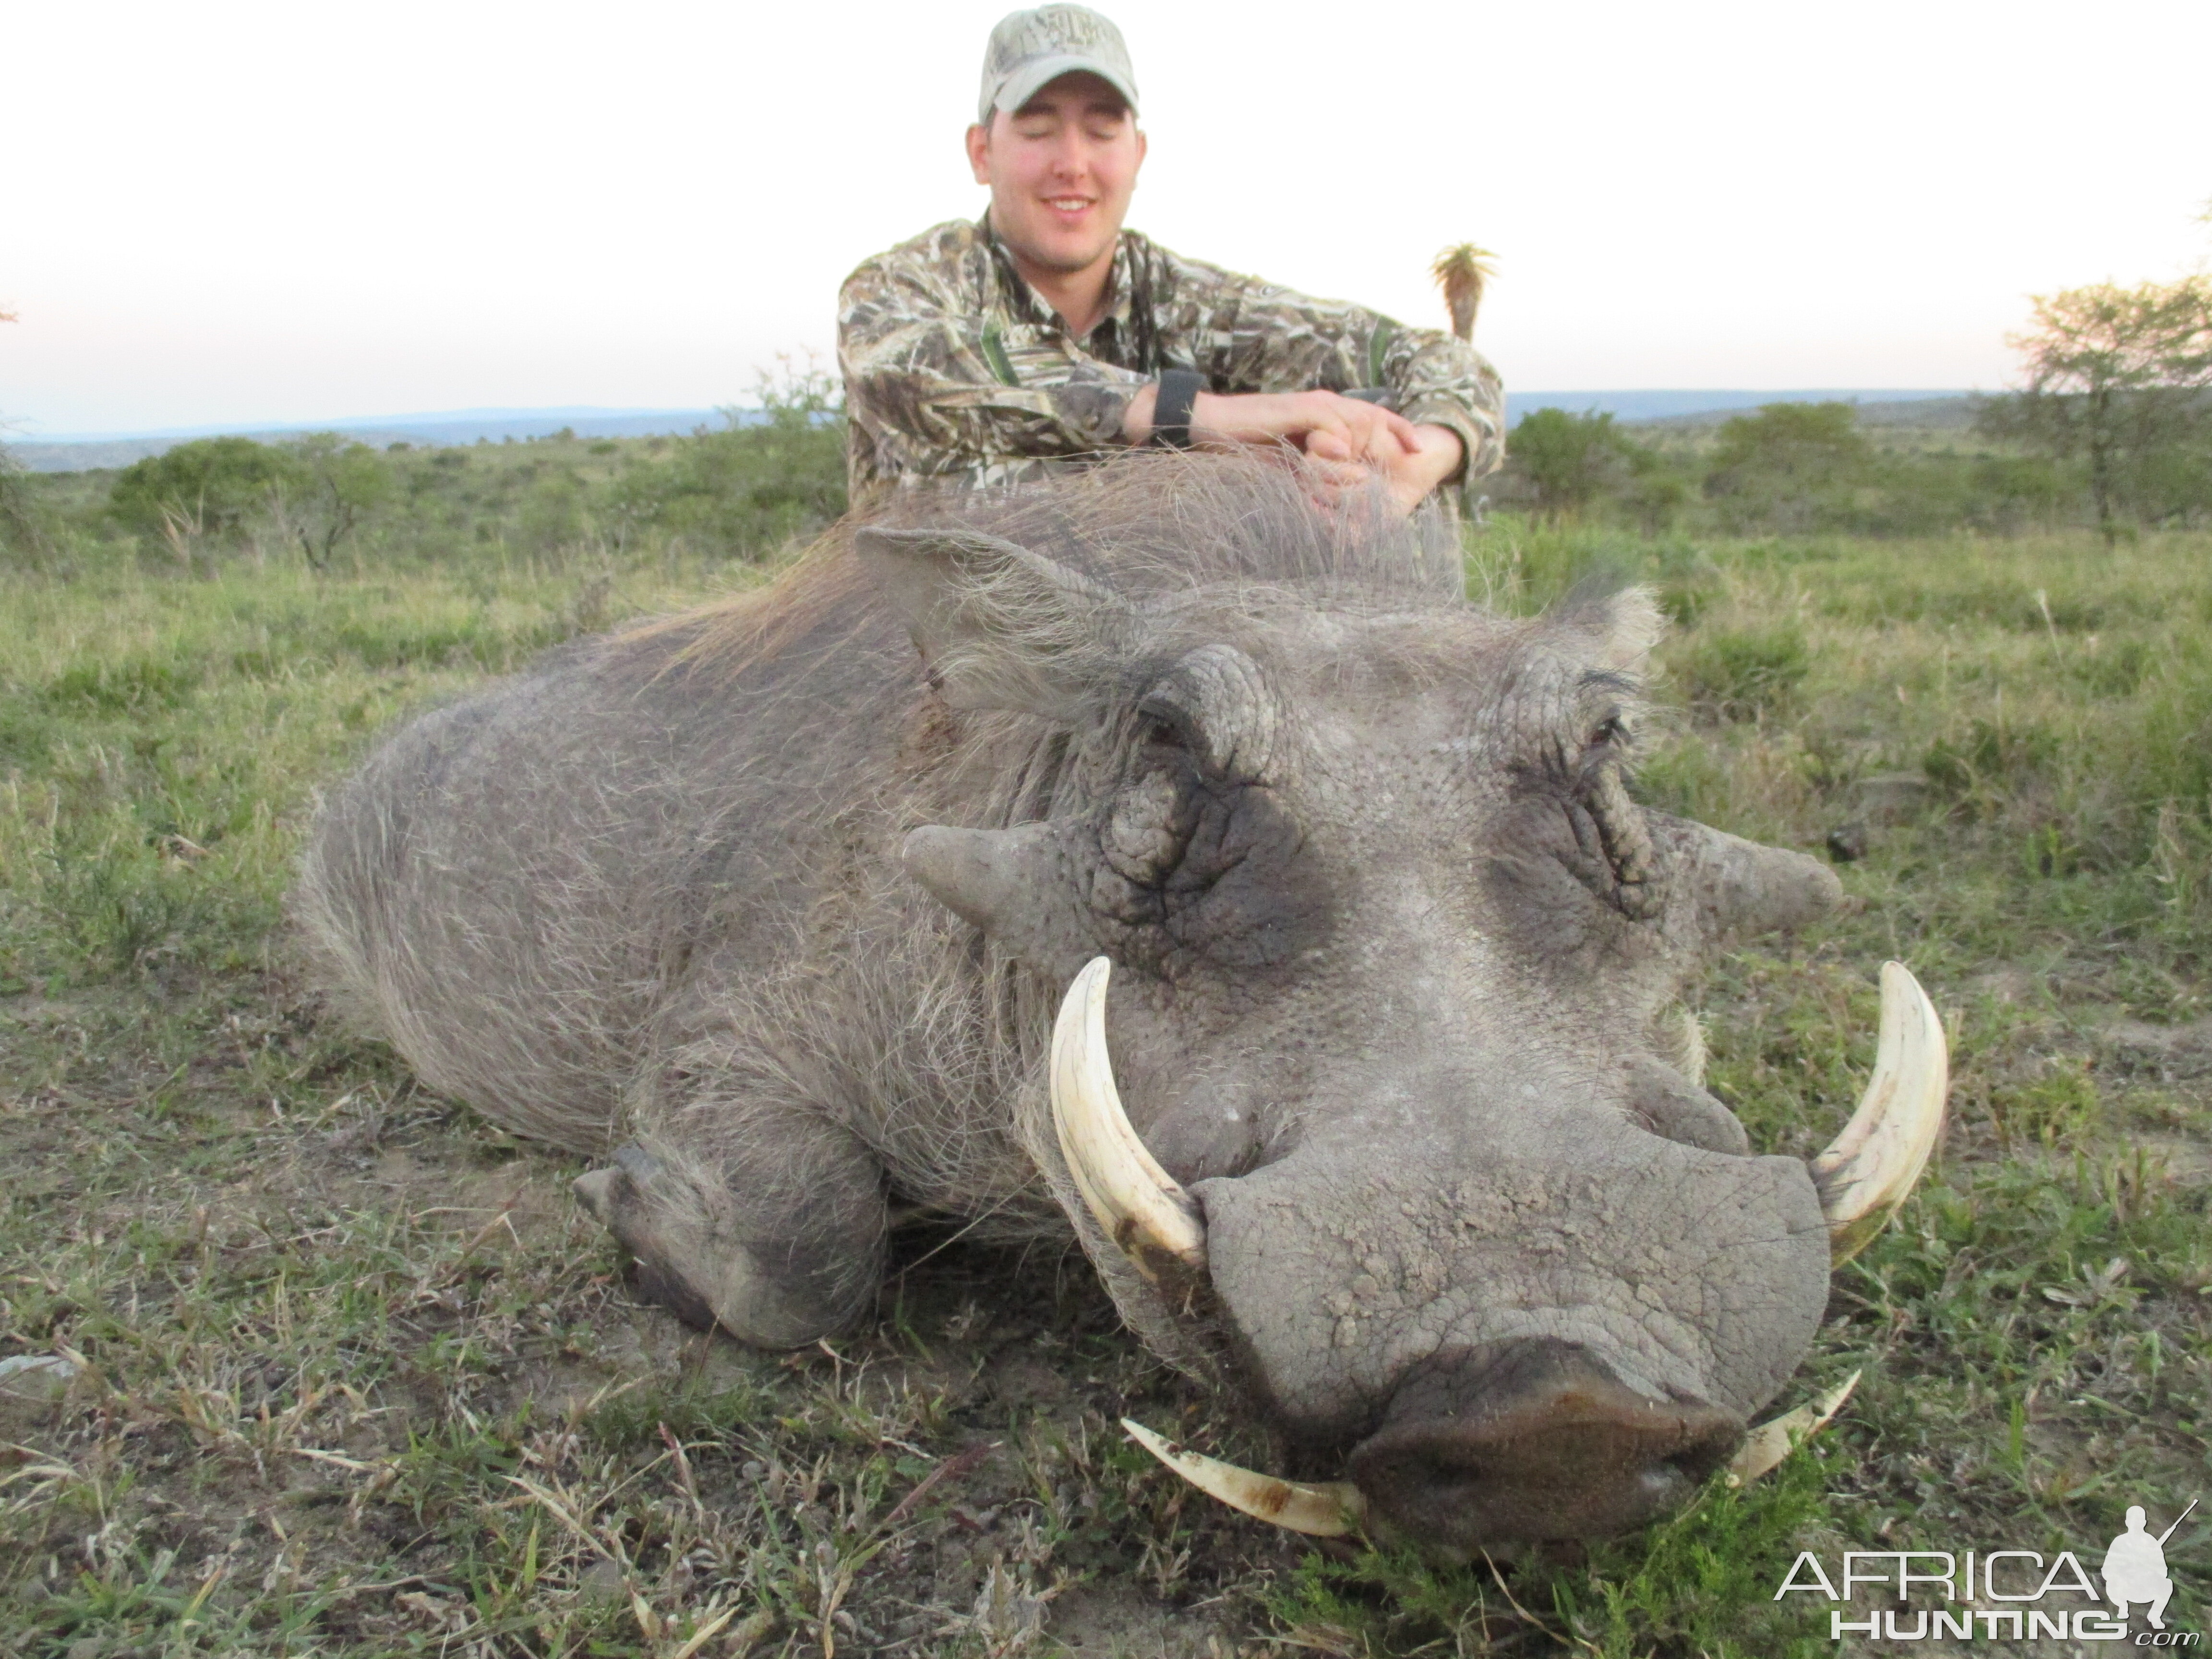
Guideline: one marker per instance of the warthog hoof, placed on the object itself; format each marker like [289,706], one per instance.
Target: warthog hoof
[617,1198]
[686,1263]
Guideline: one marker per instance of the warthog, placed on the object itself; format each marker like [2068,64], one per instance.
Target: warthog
[771,906]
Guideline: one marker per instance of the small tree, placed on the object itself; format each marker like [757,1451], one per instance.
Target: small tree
[2118,377]
[1786,462]
[1571,460]
[340,482]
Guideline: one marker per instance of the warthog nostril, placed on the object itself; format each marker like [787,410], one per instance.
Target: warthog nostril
[1534,1440]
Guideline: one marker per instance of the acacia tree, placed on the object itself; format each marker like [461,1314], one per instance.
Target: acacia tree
[2119,377]
[341,483]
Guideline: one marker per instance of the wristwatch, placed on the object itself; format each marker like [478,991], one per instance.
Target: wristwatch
[1178,396]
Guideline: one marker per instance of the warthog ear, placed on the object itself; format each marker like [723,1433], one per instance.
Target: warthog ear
[1620,626]
[999,626]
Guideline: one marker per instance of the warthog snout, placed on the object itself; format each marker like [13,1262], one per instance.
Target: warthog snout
[1531,1439]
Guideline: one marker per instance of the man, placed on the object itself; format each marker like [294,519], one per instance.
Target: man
[1045,335]
[2135,1569]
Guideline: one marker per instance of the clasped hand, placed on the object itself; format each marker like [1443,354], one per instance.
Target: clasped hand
[1345,437]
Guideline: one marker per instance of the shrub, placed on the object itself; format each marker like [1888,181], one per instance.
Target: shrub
[754,483]
[200,492]
[1570,461]
[1988,765]
[24,539]
[1745,673]
[1788,467]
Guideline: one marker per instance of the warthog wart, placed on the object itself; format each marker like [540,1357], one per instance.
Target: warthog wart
[820,906]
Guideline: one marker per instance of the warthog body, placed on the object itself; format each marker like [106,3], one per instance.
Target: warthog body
[1398,968]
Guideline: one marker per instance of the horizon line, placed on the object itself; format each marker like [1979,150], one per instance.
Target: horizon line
[569,412]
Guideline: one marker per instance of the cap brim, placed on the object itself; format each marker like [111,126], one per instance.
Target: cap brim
[1025,82]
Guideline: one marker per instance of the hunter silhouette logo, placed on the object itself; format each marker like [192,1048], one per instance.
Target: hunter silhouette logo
[2031,1596]
[2135,1567]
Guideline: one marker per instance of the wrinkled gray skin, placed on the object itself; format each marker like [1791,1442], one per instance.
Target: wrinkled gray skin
[1397,994]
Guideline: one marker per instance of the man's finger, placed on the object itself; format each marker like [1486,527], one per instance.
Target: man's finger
[1400,428]
[1382,443]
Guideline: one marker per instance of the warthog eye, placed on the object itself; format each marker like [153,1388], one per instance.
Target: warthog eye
[1613,856]
[1197,856]
[1145,834]
[1191,863]
[1162,725]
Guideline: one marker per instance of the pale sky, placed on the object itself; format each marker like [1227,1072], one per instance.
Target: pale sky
[285,213]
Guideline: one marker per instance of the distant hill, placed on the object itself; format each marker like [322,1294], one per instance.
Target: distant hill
[1697,409]
[77,451]
[1951,413]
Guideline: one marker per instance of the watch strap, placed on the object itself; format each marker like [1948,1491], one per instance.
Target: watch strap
[1172,407]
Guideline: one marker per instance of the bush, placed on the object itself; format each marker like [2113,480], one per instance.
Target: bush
[1743,674]
[1570,461]
[1788,467]
[25,541]
[758,481]
[200,492]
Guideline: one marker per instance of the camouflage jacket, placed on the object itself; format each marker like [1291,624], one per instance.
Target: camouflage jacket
[955,370]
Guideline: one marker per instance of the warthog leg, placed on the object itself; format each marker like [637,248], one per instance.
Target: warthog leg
[779,1245]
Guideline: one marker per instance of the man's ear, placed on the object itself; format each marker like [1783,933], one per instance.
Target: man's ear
[999,626]
[979,145]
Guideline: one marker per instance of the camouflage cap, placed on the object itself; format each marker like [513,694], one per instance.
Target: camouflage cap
[1029,49]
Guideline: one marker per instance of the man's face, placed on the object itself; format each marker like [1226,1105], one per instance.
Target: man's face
[1060,170]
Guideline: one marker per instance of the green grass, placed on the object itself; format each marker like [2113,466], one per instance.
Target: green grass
[357,1379]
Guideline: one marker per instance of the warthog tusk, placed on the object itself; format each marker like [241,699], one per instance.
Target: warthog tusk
[1140,1205]
[1323,1511]
[1869,1169]
[1770,1442]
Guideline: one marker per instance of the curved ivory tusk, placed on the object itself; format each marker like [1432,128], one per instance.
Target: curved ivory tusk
[1140,1205]
[1869,1169]
[1323,1512]
[1770,1442]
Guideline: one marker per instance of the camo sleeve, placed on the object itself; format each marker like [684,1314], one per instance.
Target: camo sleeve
[939,382]
[1245,334]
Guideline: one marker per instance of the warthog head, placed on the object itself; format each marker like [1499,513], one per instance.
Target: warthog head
[1401,1124]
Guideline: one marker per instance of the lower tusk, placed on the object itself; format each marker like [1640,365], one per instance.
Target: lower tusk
[1323,1512]
[1766,1445]
[1141,1206]
[1869,1169]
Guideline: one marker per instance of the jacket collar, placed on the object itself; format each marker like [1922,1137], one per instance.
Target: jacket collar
[1026,306]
